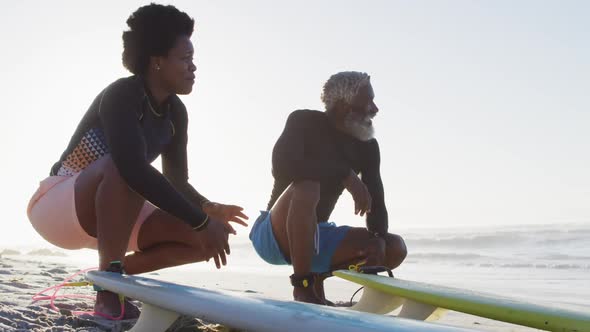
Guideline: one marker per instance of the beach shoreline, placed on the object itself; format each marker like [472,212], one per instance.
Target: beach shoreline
[23,275]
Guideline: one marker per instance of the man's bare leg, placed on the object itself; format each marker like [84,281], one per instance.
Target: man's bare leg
[294,224]
[360,246]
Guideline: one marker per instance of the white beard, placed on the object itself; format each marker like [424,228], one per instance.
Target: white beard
[361,129]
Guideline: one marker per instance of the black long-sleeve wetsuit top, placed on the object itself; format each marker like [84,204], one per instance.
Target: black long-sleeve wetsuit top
[311,148]
[123,121]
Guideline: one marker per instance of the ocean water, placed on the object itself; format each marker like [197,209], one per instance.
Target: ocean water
[545,264]
[565,247]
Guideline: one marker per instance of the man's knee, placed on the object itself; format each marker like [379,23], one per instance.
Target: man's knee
[306,192]
[396,250]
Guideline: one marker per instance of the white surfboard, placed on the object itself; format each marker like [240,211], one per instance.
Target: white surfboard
[163,302]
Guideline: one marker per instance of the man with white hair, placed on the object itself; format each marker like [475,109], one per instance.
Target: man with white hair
[318,155]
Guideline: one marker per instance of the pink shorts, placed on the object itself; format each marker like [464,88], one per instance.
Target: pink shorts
[52,212]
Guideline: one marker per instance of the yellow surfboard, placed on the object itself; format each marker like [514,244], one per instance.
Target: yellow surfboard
[424,301]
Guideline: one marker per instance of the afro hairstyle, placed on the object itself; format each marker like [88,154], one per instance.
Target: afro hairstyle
[153,31]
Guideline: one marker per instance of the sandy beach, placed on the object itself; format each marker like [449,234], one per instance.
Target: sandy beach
[23,274]
[480,109]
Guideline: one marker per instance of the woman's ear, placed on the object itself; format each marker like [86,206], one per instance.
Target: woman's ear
[155,63]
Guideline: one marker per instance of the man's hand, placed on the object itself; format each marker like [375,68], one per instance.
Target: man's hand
[359,192]
[214,241]
[225,214]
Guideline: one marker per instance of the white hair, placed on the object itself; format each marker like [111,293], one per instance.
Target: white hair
[343,86]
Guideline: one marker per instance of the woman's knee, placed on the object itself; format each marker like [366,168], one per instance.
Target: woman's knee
[101,170]
[109,170]
[111,176]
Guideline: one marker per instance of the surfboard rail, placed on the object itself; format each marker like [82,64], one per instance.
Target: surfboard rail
[163,302]
[475,303]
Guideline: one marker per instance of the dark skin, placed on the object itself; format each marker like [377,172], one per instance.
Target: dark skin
[173,73]
[294,218]
[107,208]
[362,106]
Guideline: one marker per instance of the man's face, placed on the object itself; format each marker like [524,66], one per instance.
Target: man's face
[358,120]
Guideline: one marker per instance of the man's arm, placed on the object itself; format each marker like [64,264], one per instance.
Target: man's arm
[377,219]
[288,156]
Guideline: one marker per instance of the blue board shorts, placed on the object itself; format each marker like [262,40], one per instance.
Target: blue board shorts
[328,238]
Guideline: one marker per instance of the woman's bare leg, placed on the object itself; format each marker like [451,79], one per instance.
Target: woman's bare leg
[107,209]
[165,241]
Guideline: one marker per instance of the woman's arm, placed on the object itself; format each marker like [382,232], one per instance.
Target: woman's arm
[118,115]
[174,158]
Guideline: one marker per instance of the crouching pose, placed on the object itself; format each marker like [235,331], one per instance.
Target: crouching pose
[104,194]
[318,155]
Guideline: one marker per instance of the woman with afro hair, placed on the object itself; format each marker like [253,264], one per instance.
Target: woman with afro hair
[104,194]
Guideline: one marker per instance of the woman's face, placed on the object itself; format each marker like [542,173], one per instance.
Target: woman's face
[177,70]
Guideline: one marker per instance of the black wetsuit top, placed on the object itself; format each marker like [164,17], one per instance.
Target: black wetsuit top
[125,122]
[311,148]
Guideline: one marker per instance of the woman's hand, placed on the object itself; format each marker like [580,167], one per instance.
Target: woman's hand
[226,213]
[214,242]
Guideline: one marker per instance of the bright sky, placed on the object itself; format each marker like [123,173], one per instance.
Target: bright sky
[485,110]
